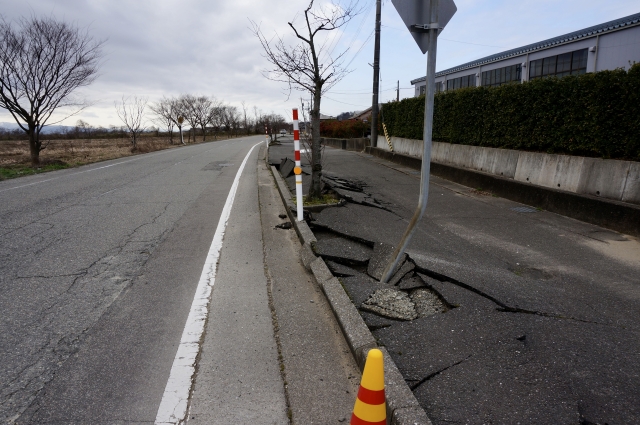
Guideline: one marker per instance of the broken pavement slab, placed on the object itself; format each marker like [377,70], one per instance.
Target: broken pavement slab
[340,270]
[391,303]
[286,167]
[347,221]
[337,182]
[343,251]
[456,296]
[381,258]
[405,270]
[360,287]
[411,281]
[374,321]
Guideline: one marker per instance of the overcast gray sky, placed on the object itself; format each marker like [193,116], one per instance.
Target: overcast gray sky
[168,47]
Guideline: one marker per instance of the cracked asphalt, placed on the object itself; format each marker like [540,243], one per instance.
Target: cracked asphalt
[105,258]
[541,324]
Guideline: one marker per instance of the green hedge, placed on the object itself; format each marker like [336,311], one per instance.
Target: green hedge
[596,114]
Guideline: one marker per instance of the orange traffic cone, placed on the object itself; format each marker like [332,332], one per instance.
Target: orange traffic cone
[370,408]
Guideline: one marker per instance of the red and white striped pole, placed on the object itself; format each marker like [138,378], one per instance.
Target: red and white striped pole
[266,133]
[297,169]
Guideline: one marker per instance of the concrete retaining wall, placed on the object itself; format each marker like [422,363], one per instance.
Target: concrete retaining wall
[606,178]
[347,144]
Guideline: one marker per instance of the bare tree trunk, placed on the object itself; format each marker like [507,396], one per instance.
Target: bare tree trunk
[204,135]
[34,147]
[316,160]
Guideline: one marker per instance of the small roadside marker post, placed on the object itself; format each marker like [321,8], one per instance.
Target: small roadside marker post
[298,169]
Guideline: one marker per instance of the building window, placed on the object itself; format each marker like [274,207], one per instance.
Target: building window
[572,63]
[500,76]
[461,82]
[423,90]
[439,87]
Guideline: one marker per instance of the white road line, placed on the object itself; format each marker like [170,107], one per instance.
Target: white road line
[175,400]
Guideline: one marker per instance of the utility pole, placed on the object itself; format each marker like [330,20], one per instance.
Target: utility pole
[398,92]
[376,79]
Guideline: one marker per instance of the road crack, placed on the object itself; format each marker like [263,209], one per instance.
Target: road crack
[434,374]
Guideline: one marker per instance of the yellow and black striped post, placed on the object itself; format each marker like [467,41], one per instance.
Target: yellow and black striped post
[370,407]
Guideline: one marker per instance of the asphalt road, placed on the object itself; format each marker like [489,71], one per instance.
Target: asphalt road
[98,269]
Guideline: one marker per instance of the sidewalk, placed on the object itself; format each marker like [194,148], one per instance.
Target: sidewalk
[321,375]
[272,352]
[523,316]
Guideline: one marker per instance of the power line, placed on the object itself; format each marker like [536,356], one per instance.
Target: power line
[359,91]
[360,49]
[351,104]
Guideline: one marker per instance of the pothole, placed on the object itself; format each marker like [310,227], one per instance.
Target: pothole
[427,303]
[391,303]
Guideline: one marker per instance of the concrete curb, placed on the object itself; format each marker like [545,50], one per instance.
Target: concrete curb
[615,215]
[402,406]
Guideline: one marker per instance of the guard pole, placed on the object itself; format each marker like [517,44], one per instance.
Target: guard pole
[266,133]
[297,169]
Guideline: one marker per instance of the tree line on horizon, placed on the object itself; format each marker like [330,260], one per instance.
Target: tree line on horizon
[43,61]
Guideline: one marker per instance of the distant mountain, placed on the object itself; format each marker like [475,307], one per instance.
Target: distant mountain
[46,130]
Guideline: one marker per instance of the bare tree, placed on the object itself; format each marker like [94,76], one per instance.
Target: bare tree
[236,120]
[42,62]
[231,118]
[300,66]
[84,128]
[131,113]
[257,115]
[165,115]
[244,110]
[202,106]
[215,117]
[186,104]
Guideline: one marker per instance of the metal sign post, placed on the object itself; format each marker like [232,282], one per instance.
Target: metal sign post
[180,121]
[422,18]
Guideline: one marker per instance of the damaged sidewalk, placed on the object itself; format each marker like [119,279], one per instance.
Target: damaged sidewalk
[497,313]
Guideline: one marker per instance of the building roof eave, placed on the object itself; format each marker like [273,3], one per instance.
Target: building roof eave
[631,20]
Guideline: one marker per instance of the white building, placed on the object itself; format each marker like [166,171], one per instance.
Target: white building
[607,46]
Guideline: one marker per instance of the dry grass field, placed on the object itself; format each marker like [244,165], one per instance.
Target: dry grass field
[59,154]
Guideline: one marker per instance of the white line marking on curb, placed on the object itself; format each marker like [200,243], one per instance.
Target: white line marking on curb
[175,400]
